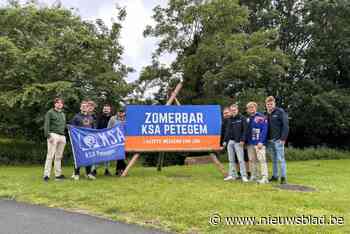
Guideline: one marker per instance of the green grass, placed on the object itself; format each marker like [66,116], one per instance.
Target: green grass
[181,199]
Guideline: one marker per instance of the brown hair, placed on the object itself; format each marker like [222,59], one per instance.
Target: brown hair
[270,99]
[57,99]
[234,105]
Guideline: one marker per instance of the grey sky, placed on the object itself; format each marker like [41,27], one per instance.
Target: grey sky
[137,50]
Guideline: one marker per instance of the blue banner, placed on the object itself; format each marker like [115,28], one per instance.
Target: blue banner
[93,146]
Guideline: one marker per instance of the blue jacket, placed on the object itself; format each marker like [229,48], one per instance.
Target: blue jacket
[257,129]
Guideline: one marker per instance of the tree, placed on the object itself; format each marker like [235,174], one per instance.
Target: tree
[216,57]
[49,51]
[314,34]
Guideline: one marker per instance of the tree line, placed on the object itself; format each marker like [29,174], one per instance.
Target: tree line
[227,51]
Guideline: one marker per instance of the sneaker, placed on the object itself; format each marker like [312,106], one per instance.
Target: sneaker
[229,178]
[273,178]
[283,180]
[252,179]
[119,172]
[107,173]
[61,177]
[75,177]
[46,178]
[91,177]
[244,179]
[94,172]
[238,178]
[263,180]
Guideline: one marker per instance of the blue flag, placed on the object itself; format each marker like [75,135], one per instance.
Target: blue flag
[93,146]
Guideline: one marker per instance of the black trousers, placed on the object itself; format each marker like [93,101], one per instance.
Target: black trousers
[77,170]
[121,165]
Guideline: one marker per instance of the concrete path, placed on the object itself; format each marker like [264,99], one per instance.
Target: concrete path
[20,218]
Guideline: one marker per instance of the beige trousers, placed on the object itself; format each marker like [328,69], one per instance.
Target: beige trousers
[257,156]
[55,148]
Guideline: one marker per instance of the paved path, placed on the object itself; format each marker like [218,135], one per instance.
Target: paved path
[19,218]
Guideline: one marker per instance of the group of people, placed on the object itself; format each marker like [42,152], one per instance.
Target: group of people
[54,130]
[247,138]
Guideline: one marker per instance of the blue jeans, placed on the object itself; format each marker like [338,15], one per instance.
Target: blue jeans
[276,148]
[232,148]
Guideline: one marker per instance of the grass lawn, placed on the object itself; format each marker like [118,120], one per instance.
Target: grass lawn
[181,199]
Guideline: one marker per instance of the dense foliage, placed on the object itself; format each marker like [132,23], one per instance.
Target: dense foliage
[237,51]
[50,51]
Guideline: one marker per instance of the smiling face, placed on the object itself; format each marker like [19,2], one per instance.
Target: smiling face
[270,106]
[121,115]
[251,108]
[106,110]
[234,110]
[84,107]
[59,105]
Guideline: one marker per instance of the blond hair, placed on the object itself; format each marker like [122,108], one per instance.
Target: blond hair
[252,104]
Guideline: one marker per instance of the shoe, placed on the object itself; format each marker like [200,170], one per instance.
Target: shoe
[91,177]
[119,172]
[252,179]
[75,177]
[244,179]
[94,172]
[107,173]
[46,178]
[264,180]
[238,178]
[273,178]
[61,177]
[229,178]
[283,180]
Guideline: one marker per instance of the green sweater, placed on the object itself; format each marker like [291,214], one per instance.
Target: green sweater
[55,122]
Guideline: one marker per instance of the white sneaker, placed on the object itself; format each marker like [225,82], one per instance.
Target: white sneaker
[244,179]
[229,178]
[75,177]
[91,177]
[264,180]
[252,179]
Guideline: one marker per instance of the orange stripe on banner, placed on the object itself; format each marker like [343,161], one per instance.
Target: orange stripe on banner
[172,143]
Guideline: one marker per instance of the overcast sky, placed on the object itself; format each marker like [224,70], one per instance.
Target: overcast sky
[138,50]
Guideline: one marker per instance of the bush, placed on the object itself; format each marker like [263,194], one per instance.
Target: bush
[295,154]
[13,151]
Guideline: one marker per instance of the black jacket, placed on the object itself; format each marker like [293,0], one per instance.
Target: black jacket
[102,121]
[225,123]
[236,129]
[278,124]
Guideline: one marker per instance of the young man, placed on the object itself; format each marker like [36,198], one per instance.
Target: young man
[226,115]
[277,136]
[118,118]
[256,139]
[55,124]
[234,138]
[102,122]
[83,119]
